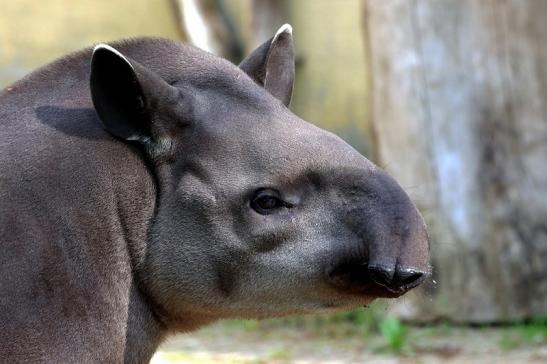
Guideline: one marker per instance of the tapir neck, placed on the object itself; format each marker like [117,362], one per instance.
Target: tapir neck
[136,205]
[144,332]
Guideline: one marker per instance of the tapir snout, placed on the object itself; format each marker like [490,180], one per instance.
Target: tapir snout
[394,252]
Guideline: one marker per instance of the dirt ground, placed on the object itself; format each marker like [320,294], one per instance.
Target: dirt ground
[233,344]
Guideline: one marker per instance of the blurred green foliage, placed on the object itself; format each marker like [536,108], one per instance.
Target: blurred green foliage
[387,334]
[525,334]
[394,333]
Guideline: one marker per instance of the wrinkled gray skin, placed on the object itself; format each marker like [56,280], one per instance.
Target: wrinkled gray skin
[178,190]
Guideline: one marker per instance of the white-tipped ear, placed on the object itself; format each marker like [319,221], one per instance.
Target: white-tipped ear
[106,48]
[117,94]
[271,65]
[285,28]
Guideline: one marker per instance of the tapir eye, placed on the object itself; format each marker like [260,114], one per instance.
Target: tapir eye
[267,201]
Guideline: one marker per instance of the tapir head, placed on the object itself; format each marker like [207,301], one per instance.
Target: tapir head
[259,213]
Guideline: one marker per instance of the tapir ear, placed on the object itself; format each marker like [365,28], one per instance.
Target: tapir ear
[121,92]
[272,64]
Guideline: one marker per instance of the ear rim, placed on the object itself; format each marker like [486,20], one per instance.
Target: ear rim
[285,28]
[104,46]
[257,64]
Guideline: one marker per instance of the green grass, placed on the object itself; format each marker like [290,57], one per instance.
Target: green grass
[395,335]
[534,332]
[387,334]
[524,334]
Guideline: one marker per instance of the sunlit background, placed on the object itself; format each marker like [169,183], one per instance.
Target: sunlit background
[449,96]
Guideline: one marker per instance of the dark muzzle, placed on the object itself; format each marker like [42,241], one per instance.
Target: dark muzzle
[360,277]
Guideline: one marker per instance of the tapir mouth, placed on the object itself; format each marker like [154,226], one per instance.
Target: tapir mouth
[368,289]
[378,291]
[357,278]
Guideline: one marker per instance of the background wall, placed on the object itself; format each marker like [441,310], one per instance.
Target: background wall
[33,33]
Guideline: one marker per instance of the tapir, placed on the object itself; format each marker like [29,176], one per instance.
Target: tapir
[148,187]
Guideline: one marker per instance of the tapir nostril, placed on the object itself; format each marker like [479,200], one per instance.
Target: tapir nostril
[396,280]
[410,278]
[381,275]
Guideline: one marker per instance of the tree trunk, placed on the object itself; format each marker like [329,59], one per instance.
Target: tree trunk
[210,27]
[460,111]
